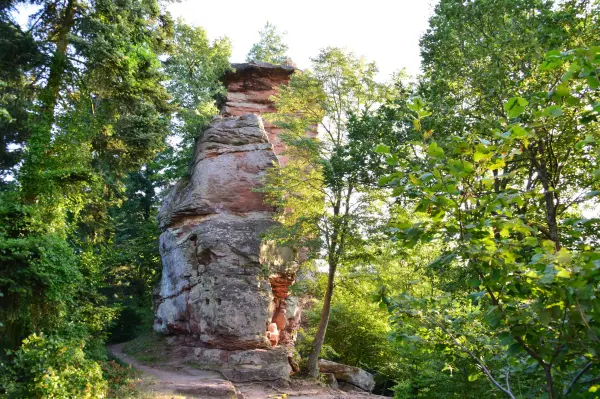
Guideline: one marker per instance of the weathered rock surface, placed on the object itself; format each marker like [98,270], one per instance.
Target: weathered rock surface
[222,294]
[230,161]
[354,376]
[250,86]
[249,90]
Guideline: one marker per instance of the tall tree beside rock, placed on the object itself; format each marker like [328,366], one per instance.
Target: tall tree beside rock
[325,202]
[194,70]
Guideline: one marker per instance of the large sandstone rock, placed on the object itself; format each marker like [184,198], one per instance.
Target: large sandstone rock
[249,90]
[250,87]
[223,294]
[354,376]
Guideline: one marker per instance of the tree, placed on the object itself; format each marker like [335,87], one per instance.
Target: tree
[530,267]
[507,216]
[194,69]
[270,48]
[98,110]
[325,203]
[21,55]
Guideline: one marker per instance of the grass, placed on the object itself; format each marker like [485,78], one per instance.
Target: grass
[147,348]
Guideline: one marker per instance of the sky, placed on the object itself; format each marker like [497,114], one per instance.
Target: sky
[384,31]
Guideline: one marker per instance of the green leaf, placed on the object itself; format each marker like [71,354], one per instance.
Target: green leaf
[492,317]
[480,156]
[514,349]
[392,160]
[435,151]
[468,167]
[564,256]
[562,90]
[382,149]
[553,59]
[518,132]
[416,104]
[515,106]
[473,377]
[383,180]
[474,282]
[443,260]
[563,274]
[553,111]
[593,82]
[476,296]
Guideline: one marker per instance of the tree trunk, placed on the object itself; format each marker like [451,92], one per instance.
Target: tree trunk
[550,195]
[59,63]
[313,359]
[41,135]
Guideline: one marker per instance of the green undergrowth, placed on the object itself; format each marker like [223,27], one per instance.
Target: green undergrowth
[123,380]
[147,348]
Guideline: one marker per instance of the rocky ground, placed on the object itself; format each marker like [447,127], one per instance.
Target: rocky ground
[171,381]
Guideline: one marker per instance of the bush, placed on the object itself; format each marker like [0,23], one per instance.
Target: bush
[51,367]
[122,380]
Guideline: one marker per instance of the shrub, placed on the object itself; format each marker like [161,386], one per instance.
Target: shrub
[122,380]
[51,367]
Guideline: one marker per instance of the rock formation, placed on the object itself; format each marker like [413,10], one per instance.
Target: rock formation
[224,295]
[348,377]
[249,90]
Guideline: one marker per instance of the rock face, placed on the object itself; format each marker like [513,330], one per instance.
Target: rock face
[249,90]
[354,376]
[250,86]
[223,297]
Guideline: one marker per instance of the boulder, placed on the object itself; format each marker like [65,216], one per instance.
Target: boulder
[330,380]
[353,376]
[257,365]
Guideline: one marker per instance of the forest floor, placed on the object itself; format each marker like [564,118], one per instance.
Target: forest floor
[168,381]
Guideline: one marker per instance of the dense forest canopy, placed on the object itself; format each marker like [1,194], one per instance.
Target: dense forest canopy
[451,218]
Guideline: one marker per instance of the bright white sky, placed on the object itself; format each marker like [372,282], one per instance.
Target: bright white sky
[384,31]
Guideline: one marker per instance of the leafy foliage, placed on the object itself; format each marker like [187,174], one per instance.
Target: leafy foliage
[51,367]
[194,70]
[86,106]
[531,272]
[270,48]
[324,203]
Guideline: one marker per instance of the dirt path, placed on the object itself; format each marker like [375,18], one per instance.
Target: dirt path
[181,382]
[191,383]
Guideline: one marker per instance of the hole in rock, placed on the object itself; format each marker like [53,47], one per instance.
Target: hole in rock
[218,301]
[207,301]
[193,237]
[205,256]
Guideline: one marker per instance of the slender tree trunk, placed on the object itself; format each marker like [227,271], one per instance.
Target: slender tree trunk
[313,359]
[549,380]
[550,195]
